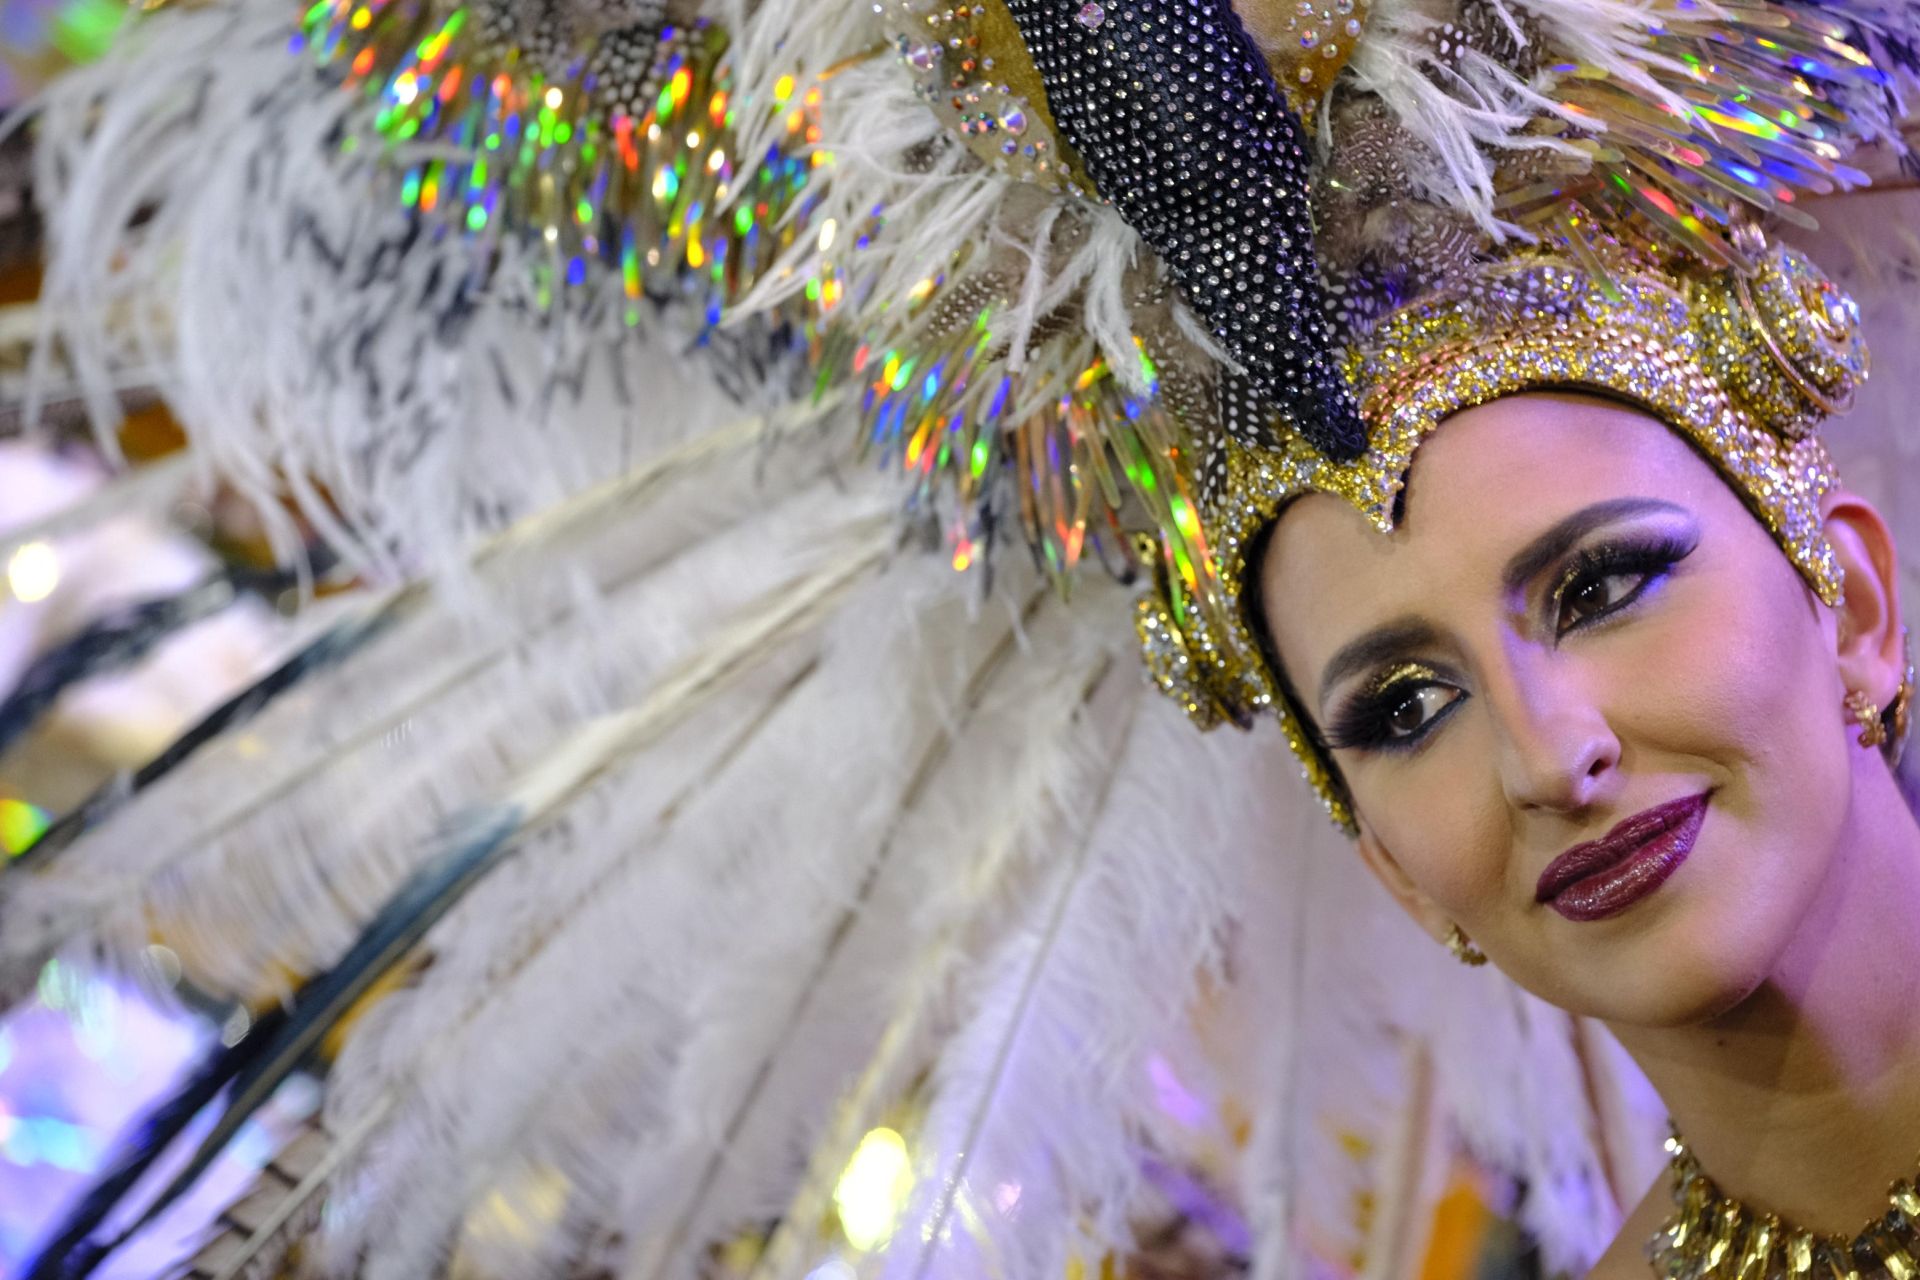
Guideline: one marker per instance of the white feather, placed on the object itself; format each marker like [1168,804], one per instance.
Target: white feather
[646,916]
[346,775]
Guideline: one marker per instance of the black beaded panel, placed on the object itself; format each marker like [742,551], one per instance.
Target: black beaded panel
[624,69]
[1177,118]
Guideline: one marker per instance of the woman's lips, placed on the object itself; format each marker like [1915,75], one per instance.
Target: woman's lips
[1606,876]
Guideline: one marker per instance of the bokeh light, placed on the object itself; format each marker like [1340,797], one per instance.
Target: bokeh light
[33,571]
[873,1189]
[21,824]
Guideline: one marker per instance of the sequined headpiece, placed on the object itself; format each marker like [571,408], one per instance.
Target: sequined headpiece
[1625,261]
[1621,256]
[1123,276]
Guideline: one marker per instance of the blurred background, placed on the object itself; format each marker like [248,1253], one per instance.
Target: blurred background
[113,639]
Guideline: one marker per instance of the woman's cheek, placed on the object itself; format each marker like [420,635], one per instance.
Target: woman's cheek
[1712,689]
[1712,702]
[1446,824]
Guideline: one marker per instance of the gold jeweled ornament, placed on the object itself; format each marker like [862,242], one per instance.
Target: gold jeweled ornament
[1900,714]
[1865,712]
[1808,359]
[1710,1236]
[1886,727]
[1462,949]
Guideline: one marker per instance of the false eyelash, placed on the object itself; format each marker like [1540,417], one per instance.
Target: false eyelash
[1362,724]
[1651,556]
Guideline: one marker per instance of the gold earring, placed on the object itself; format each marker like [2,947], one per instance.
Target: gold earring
[1463,949]
[1866,713]
[1877,727]
[1900,710]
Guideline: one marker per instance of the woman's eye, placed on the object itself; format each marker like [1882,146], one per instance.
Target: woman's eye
[1397,717]
[1412,713]
[1591,597]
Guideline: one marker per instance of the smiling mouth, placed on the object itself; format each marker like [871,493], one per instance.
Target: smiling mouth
[1604,877]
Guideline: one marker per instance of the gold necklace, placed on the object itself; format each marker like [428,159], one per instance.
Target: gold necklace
[1711,1237]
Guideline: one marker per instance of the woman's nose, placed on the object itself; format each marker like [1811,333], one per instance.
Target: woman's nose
[1556,749]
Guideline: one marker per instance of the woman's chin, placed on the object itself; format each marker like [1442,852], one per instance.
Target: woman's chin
[1687,1000]
[1693,969]
[1687,962]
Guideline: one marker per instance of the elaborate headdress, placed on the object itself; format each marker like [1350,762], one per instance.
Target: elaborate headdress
[1100,272]
[1491,197]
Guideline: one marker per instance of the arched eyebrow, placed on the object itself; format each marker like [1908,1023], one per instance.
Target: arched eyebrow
[1402,636]
[1528,561]
[1381,645]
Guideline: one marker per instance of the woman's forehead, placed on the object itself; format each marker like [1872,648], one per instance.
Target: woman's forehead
[1534,453]
[1482,484]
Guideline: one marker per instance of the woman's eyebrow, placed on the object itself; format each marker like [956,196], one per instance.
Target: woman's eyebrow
[1382,644]
[1395,639]
[1527,562]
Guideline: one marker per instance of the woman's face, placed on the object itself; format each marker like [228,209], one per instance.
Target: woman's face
[1576,626]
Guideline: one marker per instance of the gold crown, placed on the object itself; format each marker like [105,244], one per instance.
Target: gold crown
[1743,365]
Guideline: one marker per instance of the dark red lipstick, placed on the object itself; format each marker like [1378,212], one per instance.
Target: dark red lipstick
[1604,877]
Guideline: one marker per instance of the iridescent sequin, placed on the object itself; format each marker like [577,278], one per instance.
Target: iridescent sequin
[615,152]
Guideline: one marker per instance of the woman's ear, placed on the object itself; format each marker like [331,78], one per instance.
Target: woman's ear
[1389,873]
[1870,639]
